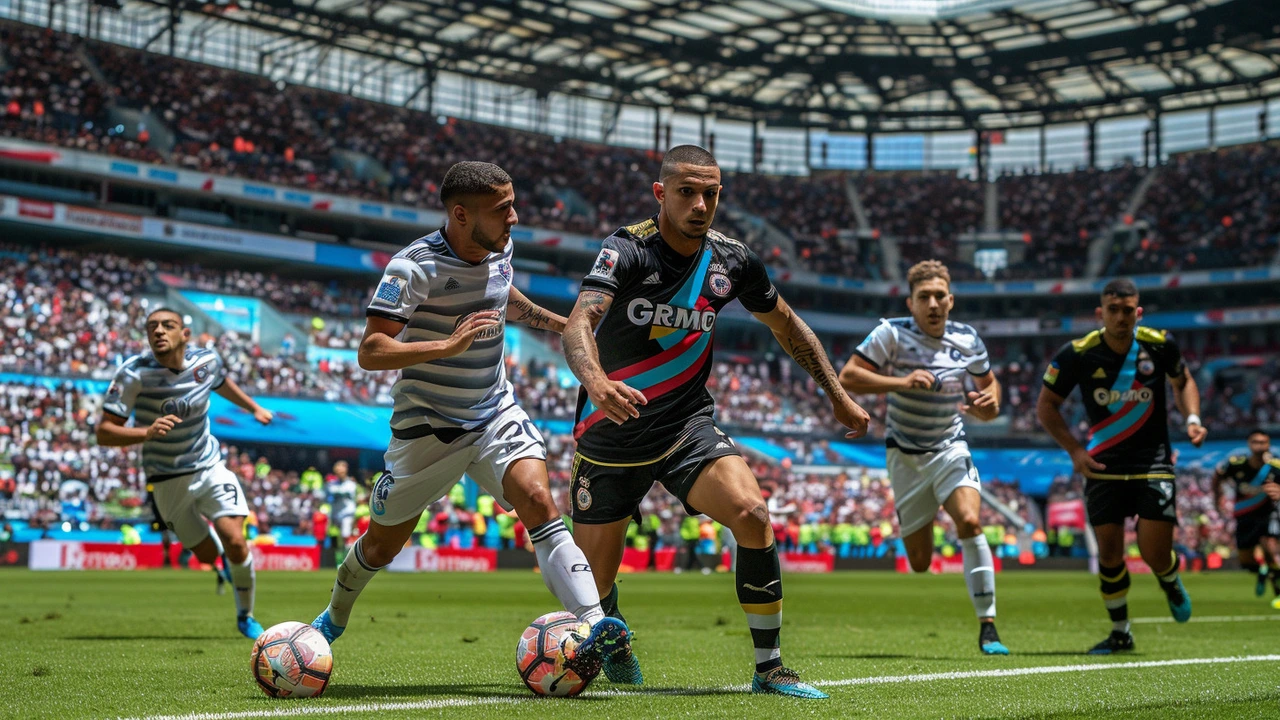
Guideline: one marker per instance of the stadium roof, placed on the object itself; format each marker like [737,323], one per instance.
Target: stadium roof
[840,64]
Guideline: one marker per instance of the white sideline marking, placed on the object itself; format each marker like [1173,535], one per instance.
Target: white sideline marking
[296,709]
[1208,619]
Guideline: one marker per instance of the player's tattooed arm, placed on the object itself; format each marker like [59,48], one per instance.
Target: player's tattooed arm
[521,309]
[800,342]
[615,398]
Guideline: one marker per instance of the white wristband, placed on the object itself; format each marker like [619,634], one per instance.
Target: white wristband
[1193,419]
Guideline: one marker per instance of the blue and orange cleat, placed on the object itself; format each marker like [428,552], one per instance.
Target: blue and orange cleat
[1179,601]
[989,640]
[249,626]
[784,681]
[326,627]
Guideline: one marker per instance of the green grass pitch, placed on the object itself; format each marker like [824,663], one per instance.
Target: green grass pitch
[160,643]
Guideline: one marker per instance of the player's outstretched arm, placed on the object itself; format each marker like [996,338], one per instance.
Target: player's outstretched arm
[804,347]
[521,309]
[862,378]
[1049,412]
[615,398]
[112,431]
[231,391]
[1186,395]
[380,350]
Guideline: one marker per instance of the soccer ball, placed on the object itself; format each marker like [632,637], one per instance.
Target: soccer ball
[292,660]
[540,658]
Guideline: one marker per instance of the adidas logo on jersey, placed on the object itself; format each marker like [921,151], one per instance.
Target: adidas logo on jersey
[652,280]
[1099,374]
[722,445]
[452,284]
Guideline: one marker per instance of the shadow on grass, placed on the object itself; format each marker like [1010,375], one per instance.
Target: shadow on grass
[130,638]
[499,690]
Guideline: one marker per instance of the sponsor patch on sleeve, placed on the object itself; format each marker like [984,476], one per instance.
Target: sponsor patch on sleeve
[1051,374]
[389,292]
[606,264]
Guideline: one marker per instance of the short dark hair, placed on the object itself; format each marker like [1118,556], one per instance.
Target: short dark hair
[1258,431]
[472,178]
[163,309]
[1120,288]
[685,155]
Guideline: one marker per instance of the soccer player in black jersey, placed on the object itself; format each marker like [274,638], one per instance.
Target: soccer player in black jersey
[1256,479]
[639,339]
[1127,461]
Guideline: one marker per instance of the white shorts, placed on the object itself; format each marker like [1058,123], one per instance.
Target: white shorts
[188,503]
[922,482]
[425,469]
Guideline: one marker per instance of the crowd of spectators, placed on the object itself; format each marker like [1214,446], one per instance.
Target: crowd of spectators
[1205,210]
[1213,209]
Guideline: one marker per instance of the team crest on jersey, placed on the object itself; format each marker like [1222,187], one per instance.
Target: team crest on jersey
[201,373]
[1145,366]
[606,264]
[720,284]
[381,490]
[583,499]
[504,269]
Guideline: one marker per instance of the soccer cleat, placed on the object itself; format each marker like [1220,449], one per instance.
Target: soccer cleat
[622,667]
[1116,642]
[585,654]
[784,681]
[989,640]
[1260,589]
[249,627]
[326,627]
[1179,601]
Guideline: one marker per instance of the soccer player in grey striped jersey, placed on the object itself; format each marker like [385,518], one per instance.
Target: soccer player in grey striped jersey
[921,362]
[167,392]
[438,317]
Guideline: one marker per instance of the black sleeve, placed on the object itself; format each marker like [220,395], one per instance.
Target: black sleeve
[1170,356]
[755,290]
[1062,375]
[613,266]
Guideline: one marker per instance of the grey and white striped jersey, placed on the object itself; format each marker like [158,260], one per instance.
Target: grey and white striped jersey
[147,390]
[927,420]
[432,291]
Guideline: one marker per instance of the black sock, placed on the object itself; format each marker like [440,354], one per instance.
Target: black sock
[609,604]
[1275,581]
[1114,582]
[1169,578]
[759,579]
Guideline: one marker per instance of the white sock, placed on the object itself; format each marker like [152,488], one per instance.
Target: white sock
[353,574]
[565,570]
[1121,627]
[980,575]
[243,579]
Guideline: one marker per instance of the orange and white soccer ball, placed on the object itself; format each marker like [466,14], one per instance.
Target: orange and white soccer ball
[292,660]
[540,656]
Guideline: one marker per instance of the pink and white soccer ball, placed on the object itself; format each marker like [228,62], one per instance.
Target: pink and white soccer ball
[540,656]
[292,660]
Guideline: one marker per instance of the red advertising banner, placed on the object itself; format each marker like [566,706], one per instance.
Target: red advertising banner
[70,555]
[420,559]
[1068,513]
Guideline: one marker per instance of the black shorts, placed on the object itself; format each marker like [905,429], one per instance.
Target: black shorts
[603,492]
[1252,527]
[157,522]
[1113,501]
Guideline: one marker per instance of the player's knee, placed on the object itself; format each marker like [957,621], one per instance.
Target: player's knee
[237,550]
[378,553]
[920,560]
[535,505]
[967,525]
[752,525]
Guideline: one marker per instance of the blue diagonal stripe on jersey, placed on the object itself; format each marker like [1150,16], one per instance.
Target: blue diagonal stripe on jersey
[687,297]
[663,372]
[1123,382]
[1261,477]
[1249,504]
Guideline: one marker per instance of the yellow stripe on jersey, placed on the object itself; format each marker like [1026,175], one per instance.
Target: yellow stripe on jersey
[1142,476]
[1151,335]
[1088,341]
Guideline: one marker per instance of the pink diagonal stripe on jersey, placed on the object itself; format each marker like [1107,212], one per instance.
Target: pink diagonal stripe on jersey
[650,393]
